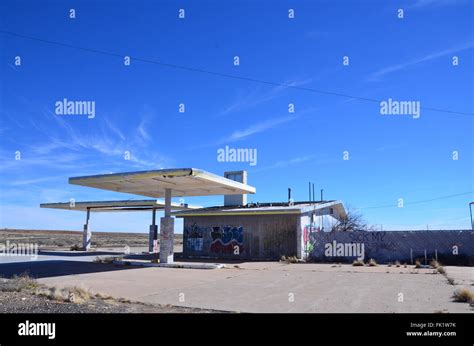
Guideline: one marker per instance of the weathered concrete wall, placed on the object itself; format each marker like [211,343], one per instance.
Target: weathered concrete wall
[240,237]
[312,224]
[389,246]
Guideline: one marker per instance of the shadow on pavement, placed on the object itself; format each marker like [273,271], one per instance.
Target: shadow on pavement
[78,253]
[45,269]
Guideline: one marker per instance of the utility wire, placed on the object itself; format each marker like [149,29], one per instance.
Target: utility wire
[218,74]
[418,202]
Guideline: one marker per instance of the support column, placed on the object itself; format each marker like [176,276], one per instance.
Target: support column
[167,231]
[86,234]
[153,236]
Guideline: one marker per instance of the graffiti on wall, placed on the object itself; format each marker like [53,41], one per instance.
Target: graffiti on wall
[310,237]
[215,239]
[227,240]
[389,246]
[375,241]
[194,239]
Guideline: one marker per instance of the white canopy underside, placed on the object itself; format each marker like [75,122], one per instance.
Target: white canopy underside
[111,206]
[182,182]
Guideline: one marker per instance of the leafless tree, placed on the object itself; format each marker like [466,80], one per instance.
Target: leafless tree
[352,222]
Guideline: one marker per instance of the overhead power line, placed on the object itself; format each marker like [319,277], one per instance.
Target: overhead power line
[218,74]
[418,202]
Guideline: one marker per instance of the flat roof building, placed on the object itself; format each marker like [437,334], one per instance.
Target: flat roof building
[256,231]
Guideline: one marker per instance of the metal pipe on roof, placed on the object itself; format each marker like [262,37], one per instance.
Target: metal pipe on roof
[470,210]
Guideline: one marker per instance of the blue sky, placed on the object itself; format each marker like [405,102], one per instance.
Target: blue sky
[390,157]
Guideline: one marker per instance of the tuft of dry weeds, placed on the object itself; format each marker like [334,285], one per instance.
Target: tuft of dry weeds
[67,294]
[107,260]
[358,263]
[289,259]
[18,283]
[372,263]
[463,295]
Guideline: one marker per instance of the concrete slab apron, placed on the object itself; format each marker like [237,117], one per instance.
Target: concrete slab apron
[270,289]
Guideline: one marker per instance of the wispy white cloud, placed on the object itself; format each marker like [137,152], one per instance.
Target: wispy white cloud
[312,159]
[63,146]
[261,95]
[35,180]
[377,75]
[422,4]
[142,131]
[113,128]
[286,163]
[257,128]
[247,132]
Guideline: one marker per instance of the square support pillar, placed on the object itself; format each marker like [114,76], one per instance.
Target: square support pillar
[167,231]
[166,239]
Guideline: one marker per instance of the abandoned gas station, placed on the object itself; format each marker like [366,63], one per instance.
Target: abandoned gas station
[237,229]
[165,183]
[252,231]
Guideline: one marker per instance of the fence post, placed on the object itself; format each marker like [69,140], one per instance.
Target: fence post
[411,255]
[425,257]
[436,255]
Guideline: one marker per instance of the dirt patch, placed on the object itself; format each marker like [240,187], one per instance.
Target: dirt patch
[23,294]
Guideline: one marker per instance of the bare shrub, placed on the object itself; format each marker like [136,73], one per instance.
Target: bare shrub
[463,295]
[358,263]
[18,283]
[372,263]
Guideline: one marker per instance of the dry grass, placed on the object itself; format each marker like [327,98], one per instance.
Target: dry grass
[358,263]
[68,294]
[107,259]
[463,295]
[439,268]
[372,263]
[289,259]
[18,283]
[417,264]
[75,247]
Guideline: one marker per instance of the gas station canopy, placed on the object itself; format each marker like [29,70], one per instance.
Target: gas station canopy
[181,182]
[115,206]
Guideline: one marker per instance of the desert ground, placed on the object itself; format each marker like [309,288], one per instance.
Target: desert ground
[48,239]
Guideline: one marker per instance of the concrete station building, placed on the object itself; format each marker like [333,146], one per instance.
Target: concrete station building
[255,231]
